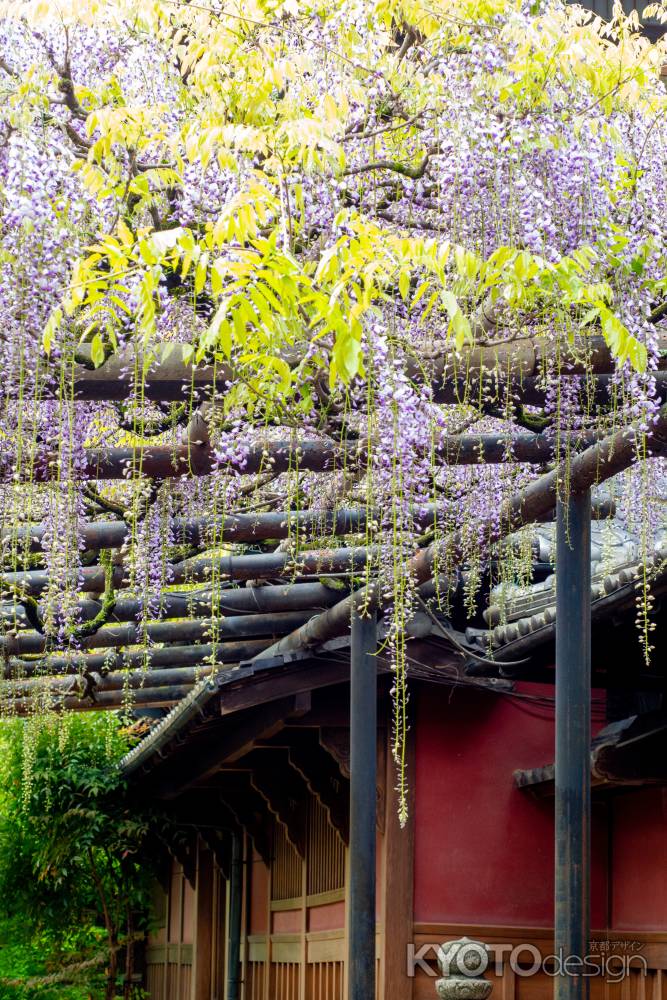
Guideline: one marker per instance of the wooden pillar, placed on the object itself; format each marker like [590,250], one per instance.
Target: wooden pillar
[266,994]
[202,952]
[573,742]
[303,975]
[398,876]
[361,975]
[235,918]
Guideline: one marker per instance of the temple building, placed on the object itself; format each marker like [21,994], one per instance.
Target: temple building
[253,767]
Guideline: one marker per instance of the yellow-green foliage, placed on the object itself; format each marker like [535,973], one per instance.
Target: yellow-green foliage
[253,96]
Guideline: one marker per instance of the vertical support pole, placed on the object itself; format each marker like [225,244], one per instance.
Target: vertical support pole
[202,958]
[573,741]
[235,907]
[363,808]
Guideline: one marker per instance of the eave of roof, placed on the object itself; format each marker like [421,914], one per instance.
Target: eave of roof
[193,705]
[179,716]
[616,591]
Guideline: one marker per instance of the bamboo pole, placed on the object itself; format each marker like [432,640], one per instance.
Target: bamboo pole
[146,658]
[188,631]
[122,680]
[229,528]
[264,565]
[204,603]
[158,697]
[233,528]
[173,461]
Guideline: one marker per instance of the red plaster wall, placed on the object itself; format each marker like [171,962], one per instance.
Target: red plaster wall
[639,860]
[330,917]
[287,921]
[484,849]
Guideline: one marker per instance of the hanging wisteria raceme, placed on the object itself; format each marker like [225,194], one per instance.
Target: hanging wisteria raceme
[302,222]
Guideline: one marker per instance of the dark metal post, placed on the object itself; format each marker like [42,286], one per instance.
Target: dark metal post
[573,742]
[363,805]
[235,903]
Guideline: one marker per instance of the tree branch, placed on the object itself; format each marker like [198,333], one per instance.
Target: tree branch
[87,629]
[399,168]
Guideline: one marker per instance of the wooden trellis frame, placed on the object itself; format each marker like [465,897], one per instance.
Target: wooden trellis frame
[594,460]
[292,620]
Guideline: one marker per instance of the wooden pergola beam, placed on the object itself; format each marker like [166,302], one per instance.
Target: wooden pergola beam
[146,658]
[167,378]
[596,464]
[237,528]
[220,600]
[450,389]
[227,528]
[158,697]
[92,685]
[169,462]
[264,565]
[189,631]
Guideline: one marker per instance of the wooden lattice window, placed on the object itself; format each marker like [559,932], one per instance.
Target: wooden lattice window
[326,852]
[325,980]
[287,868]
[285,977]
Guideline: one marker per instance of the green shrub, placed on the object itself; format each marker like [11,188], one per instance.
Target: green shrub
[73,887]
